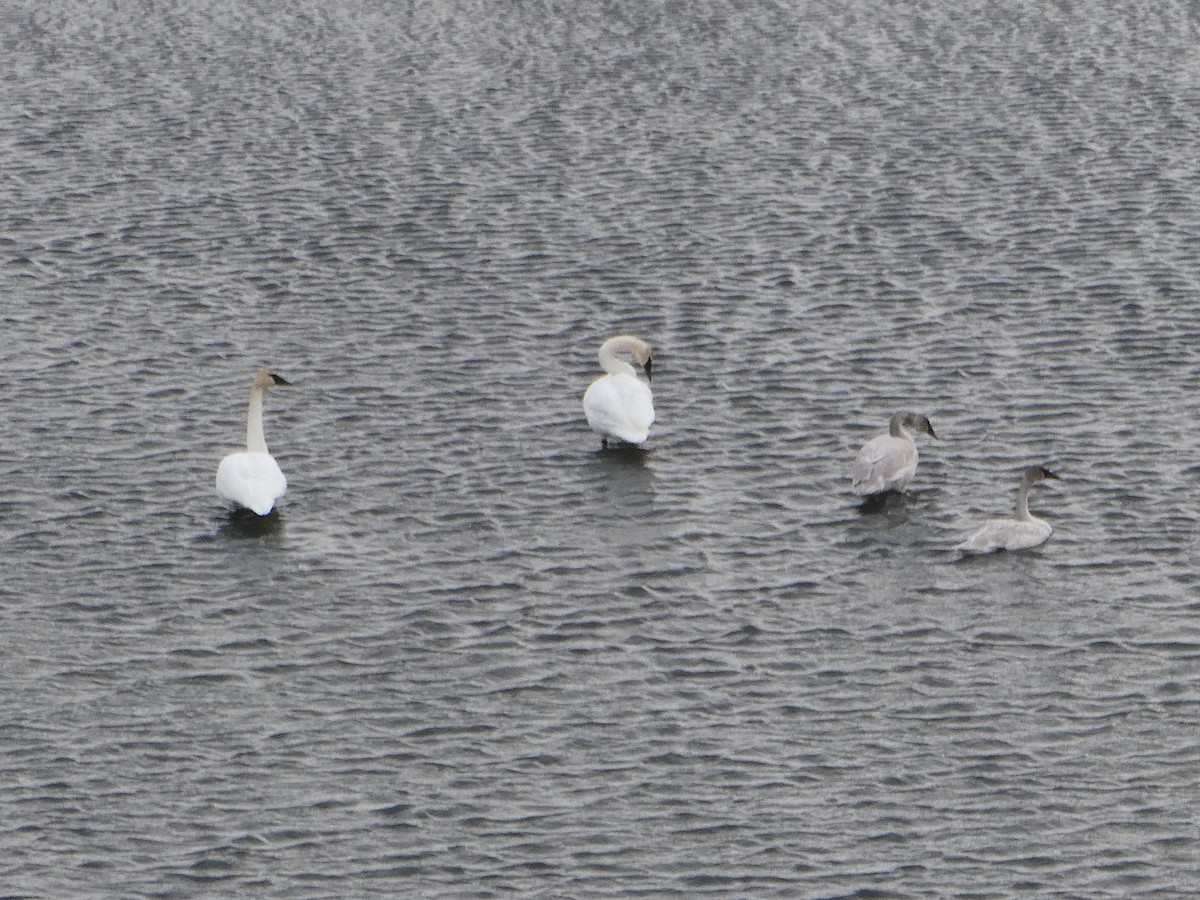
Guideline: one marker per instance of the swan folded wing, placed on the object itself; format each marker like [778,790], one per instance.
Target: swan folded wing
[884,463]
[1006,534]
[621,407]
[252,480]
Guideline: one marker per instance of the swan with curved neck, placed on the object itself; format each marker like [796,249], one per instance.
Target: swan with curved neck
[888,462]
[1022,531]
[618,404]
[251,478]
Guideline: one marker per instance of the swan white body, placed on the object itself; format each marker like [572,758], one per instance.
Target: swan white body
[1018,533]
[620,405]
[252,478]
[888,462]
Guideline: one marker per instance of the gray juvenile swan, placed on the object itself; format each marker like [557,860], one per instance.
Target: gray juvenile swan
[251,478]
[888,462]
[1019,533]
[619,405]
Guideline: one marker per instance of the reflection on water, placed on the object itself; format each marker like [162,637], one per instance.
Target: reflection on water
[242,523]
[624,484]
[624,456]
[889,503]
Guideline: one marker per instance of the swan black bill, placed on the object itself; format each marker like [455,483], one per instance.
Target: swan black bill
[279,379]
[647,368]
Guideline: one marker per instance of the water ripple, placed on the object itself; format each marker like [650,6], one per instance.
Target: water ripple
[475,654]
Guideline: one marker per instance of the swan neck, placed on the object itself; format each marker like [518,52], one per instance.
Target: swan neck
[1023,503]
[613,364]
[896,427]
[256,441]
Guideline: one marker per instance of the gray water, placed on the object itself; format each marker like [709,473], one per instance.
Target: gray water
[475,656]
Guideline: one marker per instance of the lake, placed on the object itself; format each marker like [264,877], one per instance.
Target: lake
[475,655]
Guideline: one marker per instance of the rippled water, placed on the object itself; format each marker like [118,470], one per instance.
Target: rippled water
[475,656]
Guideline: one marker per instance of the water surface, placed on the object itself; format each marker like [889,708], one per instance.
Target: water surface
[475,656]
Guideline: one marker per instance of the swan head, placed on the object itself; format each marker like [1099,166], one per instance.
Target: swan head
[265,379]
[638,349]
[920,423]
[915,421]
[1034,474]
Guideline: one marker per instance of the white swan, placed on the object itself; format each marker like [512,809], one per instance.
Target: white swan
[1018,533]
[251,478]
[619,405]
[888,462]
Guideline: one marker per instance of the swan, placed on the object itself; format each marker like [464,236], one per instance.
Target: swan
[887,462]
[1018,533]
[619,405]
[251,478]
